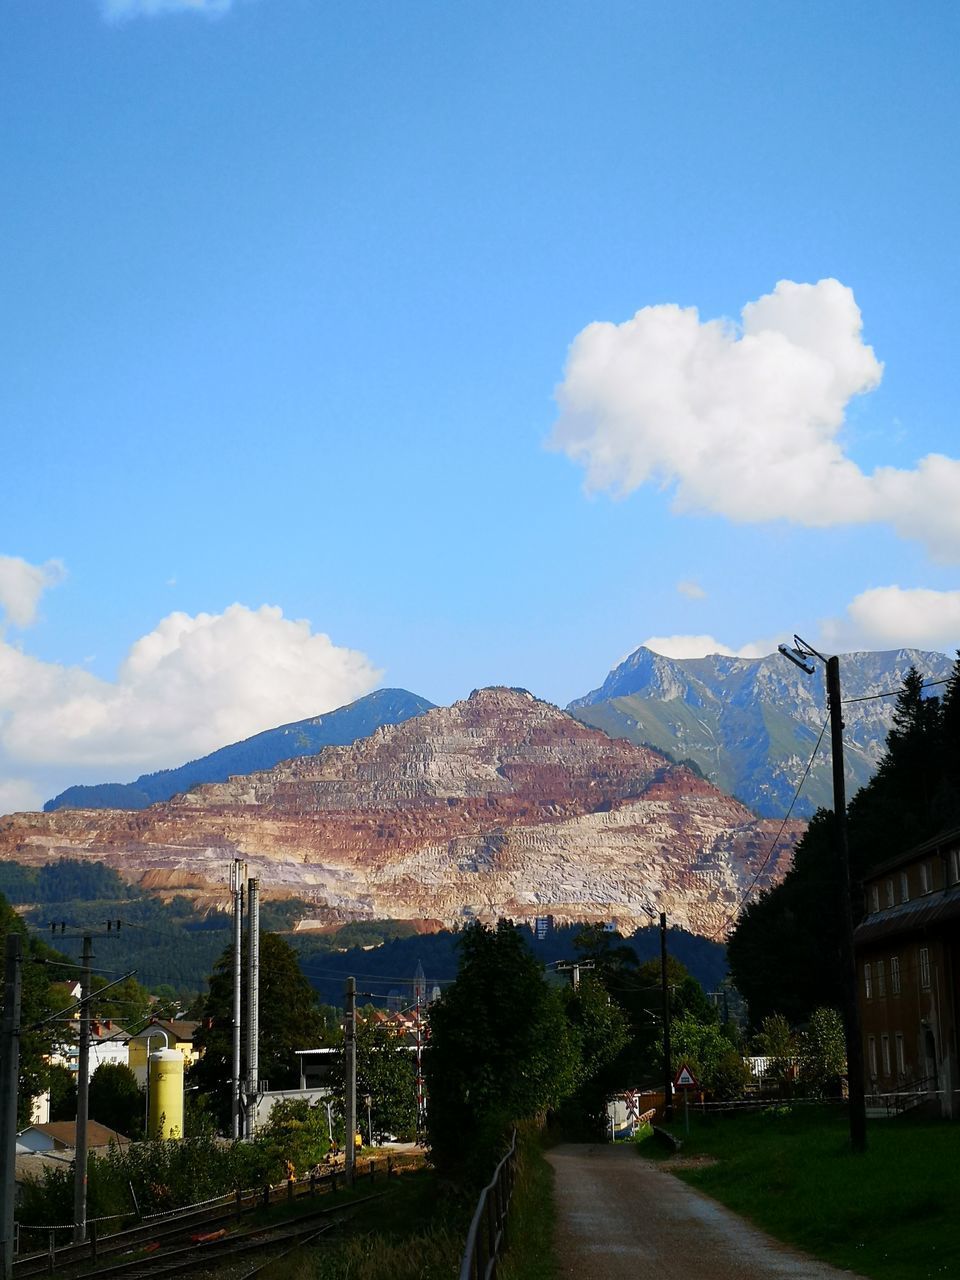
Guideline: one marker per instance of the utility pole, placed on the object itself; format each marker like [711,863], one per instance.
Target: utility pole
[9,1080]
[236,884]
[350,1071]
[667,1073]
[419,1025]
[856,1102]
[253,1003]
[83,1099]
[851,1007]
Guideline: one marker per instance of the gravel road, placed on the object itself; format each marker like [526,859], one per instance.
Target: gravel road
[620,1217]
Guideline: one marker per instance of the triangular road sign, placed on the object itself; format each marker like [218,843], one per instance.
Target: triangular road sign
[685,1079]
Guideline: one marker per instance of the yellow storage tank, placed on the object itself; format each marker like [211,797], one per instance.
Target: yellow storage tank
[166,1094]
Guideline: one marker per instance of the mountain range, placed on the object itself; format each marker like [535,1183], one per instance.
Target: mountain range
[750,725]
[498,805]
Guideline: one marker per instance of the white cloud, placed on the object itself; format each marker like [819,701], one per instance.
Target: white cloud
[17,795]
[118,10]
[897,617]
[692,590]
[190,686]
[744,421]
[21,586]
[701,646]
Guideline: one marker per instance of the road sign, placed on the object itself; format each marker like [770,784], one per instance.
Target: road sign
[685,1079]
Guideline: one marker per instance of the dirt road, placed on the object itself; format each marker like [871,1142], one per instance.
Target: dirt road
[623,1218]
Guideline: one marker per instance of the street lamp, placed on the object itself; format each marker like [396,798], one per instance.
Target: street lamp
[369,1101]
[799,656]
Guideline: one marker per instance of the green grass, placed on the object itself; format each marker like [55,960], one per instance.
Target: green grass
[530,1252]
[891,1214]
[405,1235]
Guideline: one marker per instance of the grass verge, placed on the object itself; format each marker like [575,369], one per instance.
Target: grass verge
[890,1214]
[405,1235]
[530,1252]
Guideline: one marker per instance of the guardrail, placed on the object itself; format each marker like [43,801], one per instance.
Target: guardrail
[487,1230]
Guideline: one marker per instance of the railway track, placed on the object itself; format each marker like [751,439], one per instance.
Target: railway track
[203,1232]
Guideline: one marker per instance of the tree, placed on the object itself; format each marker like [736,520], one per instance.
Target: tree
[289,1020]
[386,1072]
[500,1051]
[823,1054]
[37,1004]
[63,1092]
[116,1100]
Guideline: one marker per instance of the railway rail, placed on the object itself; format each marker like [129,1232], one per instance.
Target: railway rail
[205,1229]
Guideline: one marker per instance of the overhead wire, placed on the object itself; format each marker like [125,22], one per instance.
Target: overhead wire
[776,840]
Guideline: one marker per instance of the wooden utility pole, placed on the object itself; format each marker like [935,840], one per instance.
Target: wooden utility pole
[9,1079]
[851,1007]
[667,1073]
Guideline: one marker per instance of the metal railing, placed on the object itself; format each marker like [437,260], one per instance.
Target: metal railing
[488,1228]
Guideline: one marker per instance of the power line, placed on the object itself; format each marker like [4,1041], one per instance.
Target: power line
[776,839]
[895,693]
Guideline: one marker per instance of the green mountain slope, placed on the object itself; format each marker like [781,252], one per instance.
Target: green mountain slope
[751,724]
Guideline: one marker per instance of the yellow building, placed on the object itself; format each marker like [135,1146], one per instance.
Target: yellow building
[162,1033]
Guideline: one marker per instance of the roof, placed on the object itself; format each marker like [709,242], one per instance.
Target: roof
[65,1132]
[919,915]
[179,1029]
[944,839]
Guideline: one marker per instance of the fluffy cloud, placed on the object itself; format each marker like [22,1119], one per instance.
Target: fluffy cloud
[118,10]
[21,586]
[692,590]
[744,421]
[700,646]
[190,686]
[897,617]
[17,795]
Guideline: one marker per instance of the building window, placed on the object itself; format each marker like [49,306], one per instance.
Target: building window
[924,877]
[889,893]
[954,865]
[885,1050]
[895,975]
[904,887]
[881,979]
[874,898]
[867,982]
[872,1054]
[901,1057]
[924,967]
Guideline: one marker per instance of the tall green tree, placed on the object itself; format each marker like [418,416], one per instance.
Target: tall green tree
[289,1020]
[500,1050]
[116,1099]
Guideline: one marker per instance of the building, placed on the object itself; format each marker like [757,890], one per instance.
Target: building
[61,1135]
[908,964]
[108,1043]
[161,1033]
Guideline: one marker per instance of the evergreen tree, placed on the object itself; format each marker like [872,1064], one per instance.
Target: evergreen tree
[288,1020]
[784,952]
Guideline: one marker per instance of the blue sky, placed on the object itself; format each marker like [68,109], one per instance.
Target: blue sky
[295,305]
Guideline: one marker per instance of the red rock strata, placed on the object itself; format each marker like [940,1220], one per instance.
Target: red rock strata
[501,804]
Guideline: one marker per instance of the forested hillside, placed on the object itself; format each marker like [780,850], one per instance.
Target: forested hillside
[784,952]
